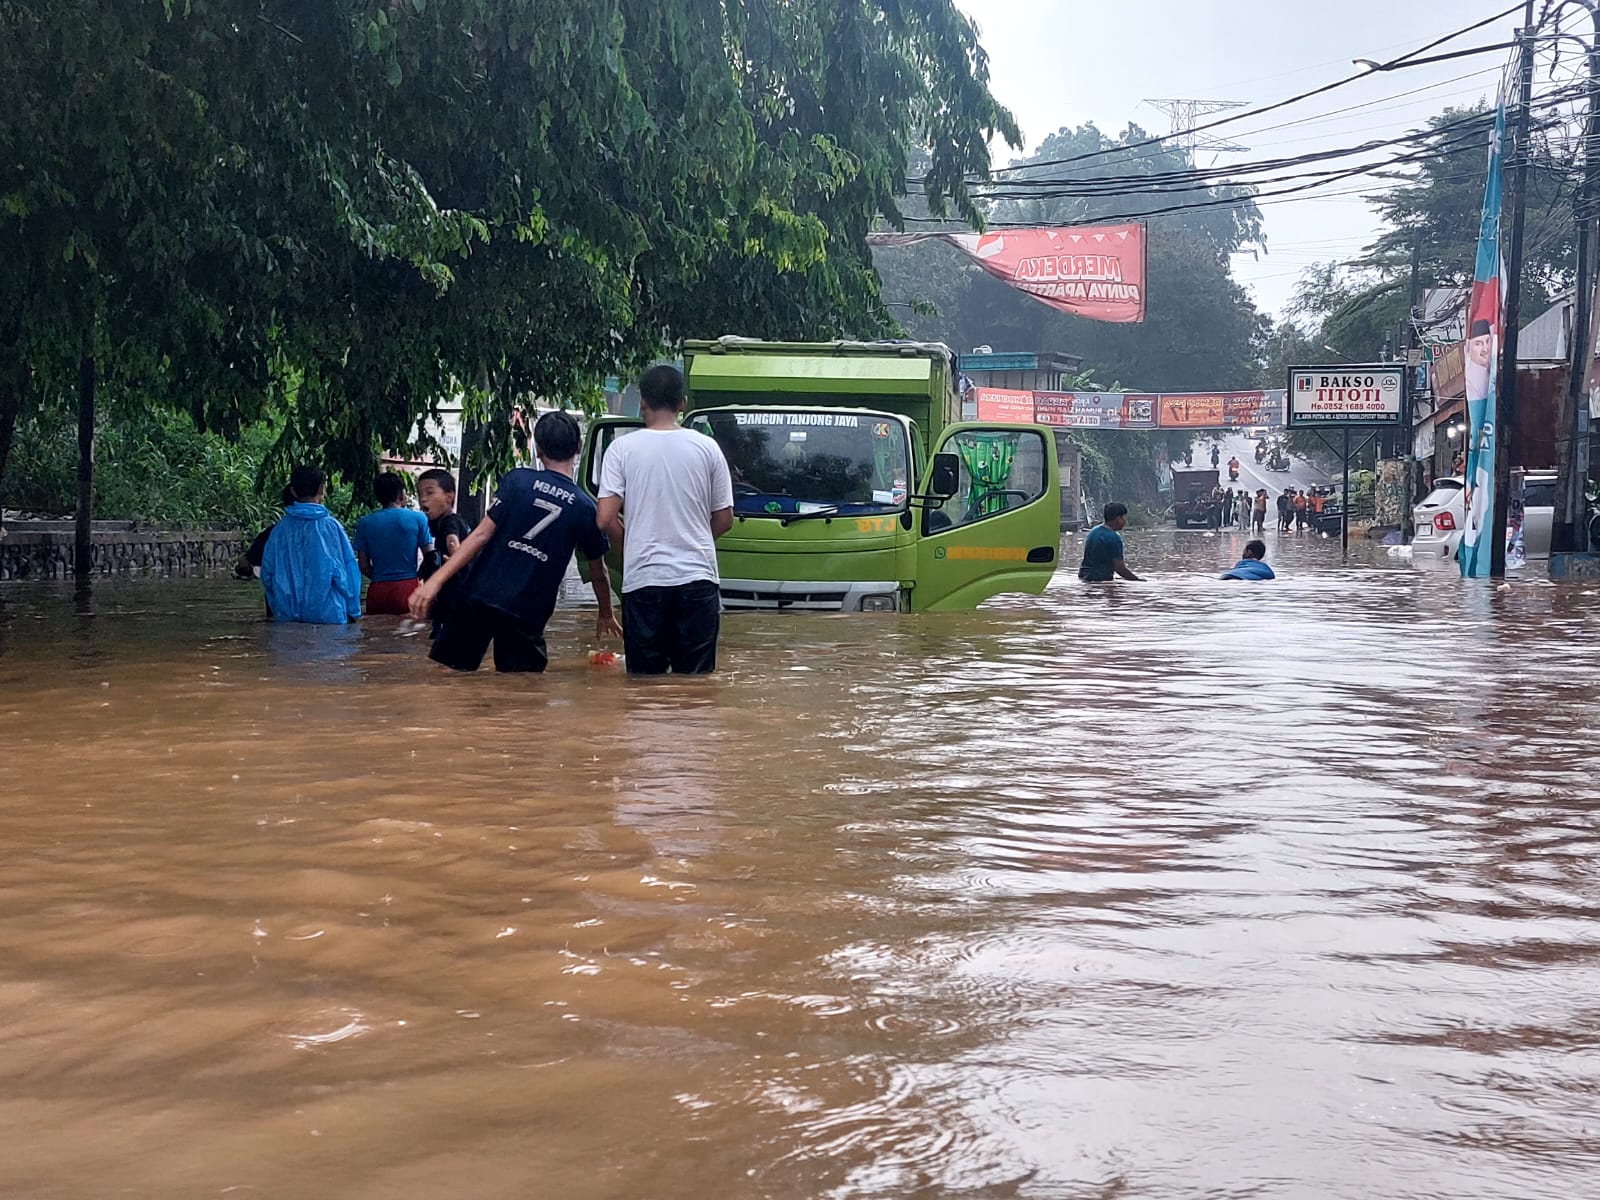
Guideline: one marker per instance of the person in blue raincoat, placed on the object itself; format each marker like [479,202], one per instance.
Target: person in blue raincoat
[309,567]
[1253,564]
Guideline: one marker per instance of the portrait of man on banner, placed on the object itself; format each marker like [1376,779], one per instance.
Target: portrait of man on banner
[1482,346]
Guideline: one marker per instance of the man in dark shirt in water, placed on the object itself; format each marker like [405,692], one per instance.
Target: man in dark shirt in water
[1102,549]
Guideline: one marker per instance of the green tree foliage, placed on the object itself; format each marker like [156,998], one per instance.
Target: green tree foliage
[1440,205]
[1360,307]
[346,211]
[154,468]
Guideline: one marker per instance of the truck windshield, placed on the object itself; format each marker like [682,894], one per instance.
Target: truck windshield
[801,461]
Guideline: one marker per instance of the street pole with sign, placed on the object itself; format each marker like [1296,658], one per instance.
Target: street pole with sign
[1348,397]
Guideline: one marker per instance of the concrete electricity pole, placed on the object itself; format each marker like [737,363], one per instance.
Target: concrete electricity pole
[1506,406]
[1569,531]
[1409,462]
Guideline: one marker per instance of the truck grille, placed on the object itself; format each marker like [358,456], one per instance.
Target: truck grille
[815,600]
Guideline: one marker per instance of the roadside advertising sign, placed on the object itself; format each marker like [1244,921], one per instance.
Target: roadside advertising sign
[1133,410]
[1092,271]
[1004,404]
[1094,410]
[1220,410]
[1347,394]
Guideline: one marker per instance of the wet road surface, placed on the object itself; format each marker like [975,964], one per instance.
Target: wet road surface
[1178,890]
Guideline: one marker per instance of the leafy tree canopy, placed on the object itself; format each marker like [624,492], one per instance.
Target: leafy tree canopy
[1360,307]
[346,211]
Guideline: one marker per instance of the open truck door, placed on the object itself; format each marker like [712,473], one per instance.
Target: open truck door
[999,527]
[602,433]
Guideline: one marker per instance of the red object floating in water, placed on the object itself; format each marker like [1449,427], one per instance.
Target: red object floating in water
[602,658]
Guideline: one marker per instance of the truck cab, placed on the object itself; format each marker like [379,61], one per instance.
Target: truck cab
[856,486]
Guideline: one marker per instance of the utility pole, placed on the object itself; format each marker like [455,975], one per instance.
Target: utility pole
[83,528]
[1409,462]
[1569,532]
[1506,400]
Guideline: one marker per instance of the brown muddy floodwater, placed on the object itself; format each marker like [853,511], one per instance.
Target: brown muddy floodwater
[1183,890]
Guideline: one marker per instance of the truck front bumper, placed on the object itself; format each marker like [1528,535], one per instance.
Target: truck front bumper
[798,595]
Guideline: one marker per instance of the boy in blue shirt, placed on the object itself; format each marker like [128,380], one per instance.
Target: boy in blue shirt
[1252,565]
[388,543]
[308,567]
[1102,549]
[520,551]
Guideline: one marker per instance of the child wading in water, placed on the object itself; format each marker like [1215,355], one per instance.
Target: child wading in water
[522,548]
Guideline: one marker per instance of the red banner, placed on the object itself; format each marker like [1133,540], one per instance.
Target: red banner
[1001,404]
[1091,271]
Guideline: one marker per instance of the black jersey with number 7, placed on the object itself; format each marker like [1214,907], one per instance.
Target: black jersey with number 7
[540,518]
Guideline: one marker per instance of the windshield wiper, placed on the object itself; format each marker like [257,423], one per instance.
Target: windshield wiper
[788,518]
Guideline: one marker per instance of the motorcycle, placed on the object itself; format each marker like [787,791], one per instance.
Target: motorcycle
[1278,462]
[1261,452]
[1233,472]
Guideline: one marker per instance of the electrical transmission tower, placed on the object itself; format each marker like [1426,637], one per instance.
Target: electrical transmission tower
[1186,114]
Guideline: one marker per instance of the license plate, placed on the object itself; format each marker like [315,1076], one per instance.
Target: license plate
[1426,529]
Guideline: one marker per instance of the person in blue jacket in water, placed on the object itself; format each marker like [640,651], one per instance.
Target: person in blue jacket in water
[1253,564]
[309,567]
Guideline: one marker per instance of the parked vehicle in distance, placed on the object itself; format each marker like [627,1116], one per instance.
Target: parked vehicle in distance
[1440,516]
[1191,497]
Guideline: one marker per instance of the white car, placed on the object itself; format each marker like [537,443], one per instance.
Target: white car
[1442,513]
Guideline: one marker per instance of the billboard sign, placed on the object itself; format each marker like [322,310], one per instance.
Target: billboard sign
[1220,410]
[1094,410]
[1132,410]
[1091,271]
[1347,394]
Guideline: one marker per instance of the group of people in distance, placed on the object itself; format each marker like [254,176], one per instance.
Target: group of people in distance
[1226,508]
[1300,508]
[497,584]
[1297,509]
[1104,556]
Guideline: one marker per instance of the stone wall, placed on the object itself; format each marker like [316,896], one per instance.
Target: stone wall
[28,551]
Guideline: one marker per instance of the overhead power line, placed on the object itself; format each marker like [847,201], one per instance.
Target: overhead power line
[1411,59]
[1281,195]
[1436,142]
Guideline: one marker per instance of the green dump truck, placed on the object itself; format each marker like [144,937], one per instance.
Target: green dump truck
[857,487]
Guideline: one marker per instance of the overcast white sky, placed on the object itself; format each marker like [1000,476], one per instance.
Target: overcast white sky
[1060,64]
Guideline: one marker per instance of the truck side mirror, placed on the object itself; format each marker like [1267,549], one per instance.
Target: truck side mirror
[945,480]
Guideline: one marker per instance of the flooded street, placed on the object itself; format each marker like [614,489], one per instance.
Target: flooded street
[1175,890]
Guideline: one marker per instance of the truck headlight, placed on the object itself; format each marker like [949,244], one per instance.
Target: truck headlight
[882,602]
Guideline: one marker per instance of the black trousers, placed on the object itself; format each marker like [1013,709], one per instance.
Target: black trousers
[672,628]
[466,630]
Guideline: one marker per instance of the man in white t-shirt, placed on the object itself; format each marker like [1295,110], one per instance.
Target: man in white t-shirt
[673,485]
